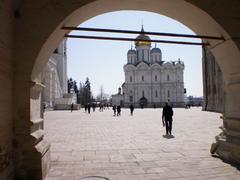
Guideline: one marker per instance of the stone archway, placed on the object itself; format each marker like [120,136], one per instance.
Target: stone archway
[39,31]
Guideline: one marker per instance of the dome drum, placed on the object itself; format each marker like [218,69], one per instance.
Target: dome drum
[156,50]
[131,51]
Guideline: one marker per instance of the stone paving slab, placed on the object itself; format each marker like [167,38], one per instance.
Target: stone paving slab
[134,147]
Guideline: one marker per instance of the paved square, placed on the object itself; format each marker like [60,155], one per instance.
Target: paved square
[133,147]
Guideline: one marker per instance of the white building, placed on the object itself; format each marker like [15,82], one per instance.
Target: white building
[54,76]
[149,81]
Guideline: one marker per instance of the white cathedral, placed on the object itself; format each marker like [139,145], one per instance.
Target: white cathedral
[150,81]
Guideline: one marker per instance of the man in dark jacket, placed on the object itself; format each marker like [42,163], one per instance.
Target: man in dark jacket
[131,109]
[114,109]
[167,118]
[118,110]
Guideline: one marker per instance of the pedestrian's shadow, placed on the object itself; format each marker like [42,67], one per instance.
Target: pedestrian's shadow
[168,136]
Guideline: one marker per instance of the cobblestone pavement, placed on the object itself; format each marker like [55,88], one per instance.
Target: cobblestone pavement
[133,147]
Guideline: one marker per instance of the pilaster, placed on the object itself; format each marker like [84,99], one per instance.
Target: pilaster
[32,151]
[227,144]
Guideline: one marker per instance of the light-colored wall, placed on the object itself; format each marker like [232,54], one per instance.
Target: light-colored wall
[61,60]
[54,76]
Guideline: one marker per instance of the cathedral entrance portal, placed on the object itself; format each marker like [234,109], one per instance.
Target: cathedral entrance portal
[143,102]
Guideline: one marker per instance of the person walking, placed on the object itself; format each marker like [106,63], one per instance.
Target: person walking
[101,107]
[93,107]
[131,109]
[72,107]
[118,110]
[167,114]
[89,108]
[44,107]
[114,110]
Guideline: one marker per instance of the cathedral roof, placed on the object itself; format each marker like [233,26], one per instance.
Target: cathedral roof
[142,62]
[140,39]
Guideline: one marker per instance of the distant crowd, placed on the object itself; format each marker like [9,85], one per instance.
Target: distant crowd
[167,113]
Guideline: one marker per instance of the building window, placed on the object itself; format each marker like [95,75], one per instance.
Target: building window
[143,55]
[168,77]
[142,93]
[168,93]
[130,78]
[130,91]
[156,94]
[142,78]
[130,98]
[155,78]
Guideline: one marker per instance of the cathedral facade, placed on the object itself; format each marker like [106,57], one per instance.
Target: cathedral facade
[150,81]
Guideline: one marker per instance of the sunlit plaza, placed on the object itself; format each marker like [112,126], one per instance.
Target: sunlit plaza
[134,147]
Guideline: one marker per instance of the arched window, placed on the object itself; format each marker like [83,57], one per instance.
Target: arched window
[130,91]
[156,93]
[168,77]
[143,94]
[130,78]
[142,78]
[168,93]
[155,78]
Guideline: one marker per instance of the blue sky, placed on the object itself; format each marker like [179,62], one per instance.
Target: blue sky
[103,61]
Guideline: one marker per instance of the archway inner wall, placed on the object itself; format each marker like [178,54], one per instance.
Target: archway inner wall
[6,86]
[38,32]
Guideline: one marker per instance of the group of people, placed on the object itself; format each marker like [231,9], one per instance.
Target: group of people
[167,114]
[116,109]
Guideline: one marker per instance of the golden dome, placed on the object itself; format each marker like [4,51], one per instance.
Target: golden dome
[140,39]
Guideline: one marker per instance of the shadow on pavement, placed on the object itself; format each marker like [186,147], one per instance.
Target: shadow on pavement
[167,136]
